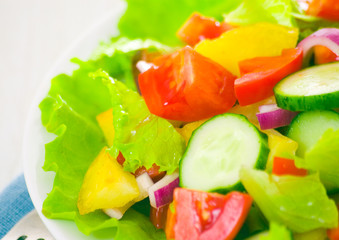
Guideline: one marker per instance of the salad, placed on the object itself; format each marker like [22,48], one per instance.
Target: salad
[212,120]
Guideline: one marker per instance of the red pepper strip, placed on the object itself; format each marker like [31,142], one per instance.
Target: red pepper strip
[204,216]
[263,73]
[284,166]
[198,27]
[328,9]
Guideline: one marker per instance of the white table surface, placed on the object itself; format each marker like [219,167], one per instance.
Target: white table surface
[33,35]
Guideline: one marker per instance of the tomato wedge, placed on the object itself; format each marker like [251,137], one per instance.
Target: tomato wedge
[198,27]
[285,166]
[324,55]
[260,75]
[204,216]
[328,9]
[187,86]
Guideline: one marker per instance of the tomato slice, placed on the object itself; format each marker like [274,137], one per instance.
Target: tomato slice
[198,27]
[260,75]
[284,166]
[324,55]
[204,216]
[187,86]
[328,9]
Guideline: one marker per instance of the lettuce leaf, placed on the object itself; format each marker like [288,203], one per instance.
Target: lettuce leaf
[160,20]
[69,112]
[277,232]
[139,135]
[254,11]
[324,157]
[299,203]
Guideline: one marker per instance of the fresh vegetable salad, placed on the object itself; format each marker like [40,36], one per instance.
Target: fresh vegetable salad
[203,119]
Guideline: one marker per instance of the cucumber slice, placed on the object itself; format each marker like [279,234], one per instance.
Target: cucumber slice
[313,88]
[308,127]
[218,149]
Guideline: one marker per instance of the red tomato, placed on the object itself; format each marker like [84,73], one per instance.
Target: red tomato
[261,74]
[158,216]
[328,9]
[204,216]
[284,166]
[198,27]
[187,86]
[324,55]
[153,172]
[170,222]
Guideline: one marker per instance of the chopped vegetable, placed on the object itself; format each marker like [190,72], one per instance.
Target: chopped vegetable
[158,216]
[161,193]
[327,37]
[308,127]
[261,74]
[187,86]
[106,185]
[140,135]
[328,9]
[202,216]
[198,27]
[277,232]
[280,146]
[285,166]
[324,55]
[105,121]
[271,116]
[299,203]
[310,89]
[323,157]
[257,40]
[209,161]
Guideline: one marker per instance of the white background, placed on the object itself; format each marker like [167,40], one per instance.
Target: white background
[33,35]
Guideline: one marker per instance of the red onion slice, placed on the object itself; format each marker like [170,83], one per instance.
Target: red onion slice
[327,37]
[271,116]
[161,193]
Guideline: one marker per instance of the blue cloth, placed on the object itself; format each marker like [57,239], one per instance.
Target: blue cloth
[15,203]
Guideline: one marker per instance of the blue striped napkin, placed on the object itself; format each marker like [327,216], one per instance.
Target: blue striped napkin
[15,203]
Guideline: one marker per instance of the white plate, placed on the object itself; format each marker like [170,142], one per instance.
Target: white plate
[39,182]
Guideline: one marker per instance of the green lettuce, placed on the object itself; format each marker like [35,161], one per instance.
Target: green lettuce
[277,232]
[254,11]
[299,203]
[69,111]
[324,158]
[139,135]
[160,20]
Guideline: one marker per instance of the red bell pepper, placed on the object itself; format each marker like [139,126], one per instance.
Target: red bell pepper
[285,166]
[187,86]
[260,75]
[198,27]
[204,216]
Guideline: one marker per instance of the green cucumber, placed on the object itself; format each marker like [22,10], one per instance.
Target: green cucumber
[313,88]
[308,127]
[218,149]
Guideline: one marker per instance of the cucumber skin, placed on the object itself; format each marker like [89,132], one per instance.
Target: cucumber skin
[325,101]
[260,163]
[307,103]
